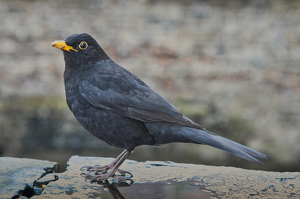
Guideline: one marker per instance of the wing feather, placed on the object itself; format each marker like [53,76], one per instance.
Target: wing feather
[125,95]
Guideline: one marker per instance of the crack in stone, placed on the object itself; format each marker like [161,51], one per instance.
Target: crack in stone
[38,186]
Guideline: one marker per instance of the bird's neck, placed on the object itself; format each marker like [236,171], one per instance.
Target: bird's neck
[80,63]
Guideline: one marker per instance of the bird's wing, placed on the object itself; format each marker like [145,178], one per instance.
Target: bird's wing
[123,94]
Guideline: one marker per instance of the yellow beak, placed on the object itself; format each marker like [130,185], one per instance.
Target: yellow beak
[63,46]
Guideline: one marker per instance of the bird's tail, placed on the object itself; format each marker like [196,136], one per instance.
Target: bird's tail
[211,139]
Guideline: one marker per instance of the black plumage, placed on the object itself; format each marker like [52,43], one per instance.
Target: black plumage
[120,109]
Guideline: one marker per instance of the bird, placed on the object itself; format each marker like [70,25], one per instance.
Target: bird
[120,109]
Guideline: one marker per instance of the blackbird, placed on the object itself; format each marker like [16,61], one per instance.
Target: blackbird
[120,109]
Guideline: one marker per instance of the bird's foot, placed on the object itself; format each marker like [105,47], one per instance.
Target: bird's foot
[96,168]
[100,173]
[97,177]
[123,178]
[123,173]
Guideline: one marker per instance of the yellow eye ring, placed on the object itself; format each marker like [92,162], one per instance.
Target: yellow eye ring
[83,45]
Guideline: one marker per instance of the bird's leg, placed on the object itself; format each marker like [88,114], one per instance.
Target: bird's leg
[98,168]
[114,167]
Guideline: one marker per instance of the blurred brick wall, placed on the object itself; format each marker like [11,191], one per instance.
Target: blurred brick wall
[241,57]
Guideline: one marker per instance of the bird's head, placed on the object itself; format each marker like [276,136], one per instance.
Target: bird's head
[80,51]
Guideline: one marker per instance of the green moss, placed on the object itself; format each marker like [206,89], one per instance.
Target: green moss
[191,109]
[33,103]
[230,126]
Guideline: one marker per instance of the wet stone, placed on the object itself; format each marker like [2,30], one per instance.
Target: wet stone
[156,179]
[18,176]
[24,178]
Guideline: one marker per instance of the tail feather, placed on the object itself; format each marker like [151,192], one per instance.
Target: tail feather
[208,138]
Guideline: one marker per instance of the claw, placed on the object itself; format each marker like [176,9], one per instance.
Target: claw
[103,177]
[96,175]
[85,168]
[96,168]
[123,179]
[101,173]
[123,173]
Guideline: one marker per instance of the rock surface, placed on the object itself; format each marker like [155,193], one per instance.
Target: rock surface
[18,176]
[201,180]
[232,66]
[22,177]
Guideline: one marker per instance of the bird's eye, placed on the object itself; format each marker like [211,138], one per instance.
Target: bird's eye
[83,45]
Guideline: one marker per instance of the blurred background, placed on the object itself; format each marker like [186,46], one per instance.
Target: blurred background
[230,65]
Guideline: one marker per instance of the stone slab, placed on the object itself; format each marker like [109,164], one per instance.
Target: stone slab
[17,175]
[213,181]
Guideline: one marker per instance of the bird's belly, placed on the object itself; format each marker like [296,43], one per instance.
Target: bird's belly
[115,130]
